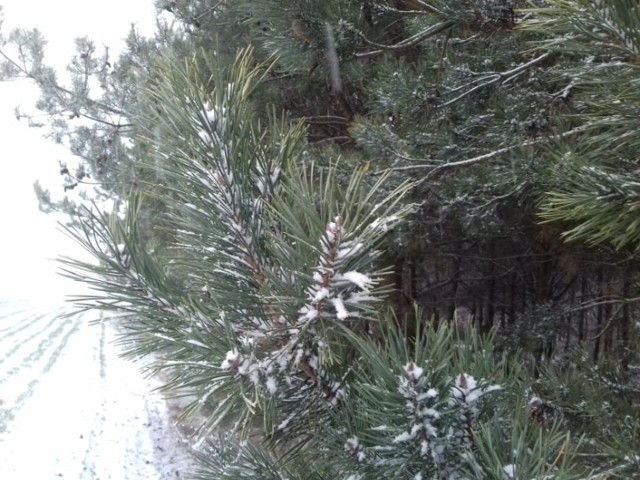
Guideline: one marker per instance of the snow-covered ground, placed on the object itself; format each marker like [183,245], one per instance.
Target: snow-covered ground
[71,408]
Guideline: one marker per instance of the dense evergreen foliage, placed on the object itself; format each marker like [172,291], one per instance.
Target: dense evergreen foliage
[374,239]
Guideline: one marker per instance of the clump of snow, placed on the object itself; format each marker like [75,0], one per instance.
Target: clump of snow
[353,448]
[321,294]
[232,361]
[403,437]
[467,391]
[361,280]
[509,472]
[351,444]
[341,311]
[271,385]
[465,388]
[309,313]
[413,371]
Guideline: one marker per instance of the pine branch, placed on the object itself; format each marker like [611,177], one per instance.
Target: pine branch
[496,78]
[58,88]
[407,43]
[435,169]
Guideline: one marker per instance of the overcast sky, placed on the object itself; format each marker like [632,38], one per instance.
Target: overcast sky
[28,238]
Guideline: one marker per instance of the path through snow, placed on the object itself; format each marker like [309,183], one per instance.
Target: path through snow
[71,408]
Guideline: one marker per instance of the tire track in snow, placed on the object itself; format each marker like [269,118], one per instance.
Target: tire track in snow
[47,342]
[22,342]
[21,325]
[111,425]
[96,429]
[18,324]
[9,409]
[101,354]
[13,309]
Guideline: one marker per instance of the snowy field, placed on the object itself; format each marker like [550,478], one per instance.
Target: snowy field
[71,408]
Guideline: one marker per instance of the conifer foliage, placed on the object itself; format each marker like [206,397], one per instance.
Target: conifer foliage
[303,226]
[597,192]
[268,306]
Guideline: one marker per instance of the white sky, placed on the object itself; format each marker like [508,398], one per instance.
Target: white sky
[28,238]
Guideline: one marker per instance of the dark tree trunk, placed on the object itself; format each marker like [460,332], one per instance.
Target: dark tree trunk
[624,321]
[599,318]
[512,300]
[583,312]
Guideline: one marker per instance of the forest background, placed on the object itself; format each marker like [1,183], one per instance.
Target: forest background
[376,239]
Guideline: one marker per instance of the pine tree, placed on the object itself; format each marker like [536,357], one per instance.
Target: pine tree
[92,111]
[596,193]
[593,199]
[269,306]
[265,255]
